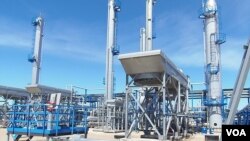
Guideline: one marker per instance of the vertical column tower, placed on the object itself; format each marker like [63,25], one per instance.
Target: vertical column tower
[212,43]
[35,58]
[111,49]
[149,24]
[111,118]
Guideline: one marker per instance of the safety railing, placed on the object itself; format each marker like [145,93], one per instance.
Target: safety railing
[47,120]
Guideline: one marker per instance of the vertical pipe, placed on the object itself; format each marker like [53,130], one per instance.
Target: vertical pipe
[187,95]
[126,107]
[179,97]
[38,23]
[192,103]
[8,137]
[187,107]
[5,110]
[149,24]
[71,95]
[164,106]
[50,116]
[110,45]
[142,39]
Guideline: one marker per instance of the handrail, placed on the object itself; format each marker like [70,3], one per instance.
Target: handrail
[72,118]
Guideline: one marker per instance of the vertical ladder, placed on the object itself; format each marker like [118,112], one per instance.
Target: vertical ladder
[214,64]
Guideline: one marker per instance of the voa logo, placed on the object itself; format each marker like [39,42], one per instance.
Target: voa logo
[236,132]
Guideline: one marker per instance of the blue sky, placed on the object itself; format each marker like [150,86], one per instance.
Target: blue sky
[74,40]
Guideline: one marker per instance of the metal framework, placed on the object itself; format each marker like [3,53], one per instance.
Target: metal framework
[8,95]
[95,119]
[110,113]
[243,116]
[198,111]
[160,108]
[39,120]
[47,114]
[114,116]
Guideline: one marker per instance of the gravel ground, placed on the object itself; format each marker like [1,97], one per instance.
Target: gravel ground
[98,136]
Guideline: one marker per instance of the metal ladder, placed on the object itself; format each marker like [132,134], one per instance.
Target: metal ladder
[214,64]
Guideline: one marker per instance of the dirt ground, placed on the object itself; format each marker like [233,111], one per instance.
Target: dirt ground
[98,136]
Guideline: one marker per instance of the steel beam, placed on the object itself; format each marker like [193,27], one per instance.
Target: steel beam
[239,84]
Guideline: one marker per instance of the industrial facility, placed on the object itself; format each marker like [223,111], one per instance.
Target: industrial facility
[159,100]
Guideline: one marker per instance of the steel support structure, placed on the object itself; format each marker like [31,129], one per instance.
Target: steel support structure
[109,116]
[160,111]
[243,116]
[114,116]
[239,84]
[40,120]
[47,114]
[10,95]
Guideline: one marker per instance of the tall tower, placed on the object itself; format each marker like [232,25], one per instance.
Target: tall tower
[35,57]
[212,43]
[149,24]
[111,49]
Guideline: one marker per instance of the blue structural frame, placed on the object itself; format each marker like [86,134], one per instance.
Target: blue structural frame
[200,114]
[243,116]
[42,120]
[92,100]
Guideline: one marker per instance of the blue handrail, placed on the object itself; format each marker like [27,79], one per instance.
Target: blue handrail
[30,122]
